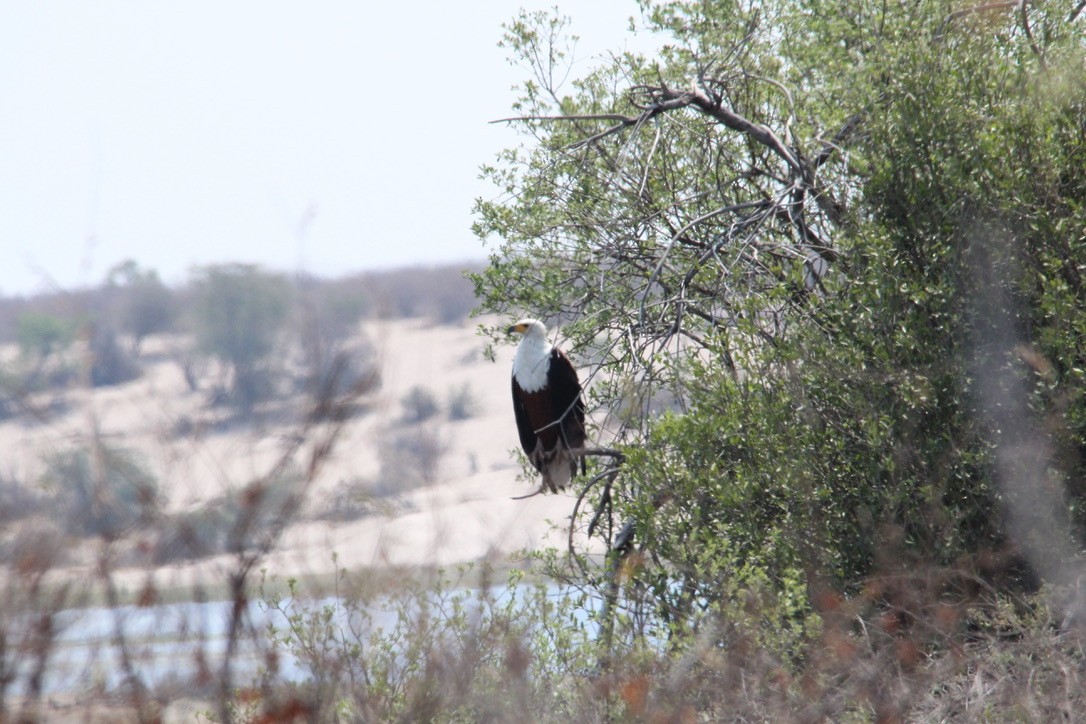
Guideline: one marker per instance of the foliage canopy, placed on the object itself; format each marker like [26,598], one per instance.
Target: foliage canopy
[825,263]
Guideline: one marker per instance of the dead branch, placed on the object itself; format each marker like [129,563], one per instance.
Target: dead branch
[1023,13]
[323,424]
[627,120]
[714,108]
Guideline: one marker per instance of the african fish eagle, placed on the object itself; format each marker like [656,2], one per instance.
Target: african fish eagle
[548,406]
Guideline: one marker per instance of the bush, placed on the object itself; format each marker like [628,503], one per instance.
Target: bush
[448,651]
[100,490]
[41,335]
[110,365]
[17,501]
[357,498]
[145,305]
[331,309]
[463,403]
[335,361]
[231,523]
[36,548]
[191,535]
[409,459]
[330,376]
[419,404]
[442,294]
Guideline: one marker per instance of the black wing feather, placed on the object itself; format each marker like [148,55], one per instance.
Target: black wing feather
[568,402]
[524,427]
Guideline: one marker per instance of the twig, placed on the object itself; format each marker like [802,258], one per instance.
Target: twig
[828,147]
[328,417]
[1023,11]
[622,118]
[674,237]
[605,500]
[621,549]
[976,9]
[136,687]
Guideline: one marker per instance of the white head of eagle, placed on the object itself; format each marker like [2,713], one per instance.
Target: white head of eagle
[548,406]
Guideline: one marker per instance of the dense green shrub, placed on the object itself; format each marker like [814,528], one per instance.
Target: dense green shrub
[848,241]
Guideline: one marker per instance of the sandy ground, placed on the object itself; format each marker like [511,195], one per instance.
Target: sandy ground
[466,515]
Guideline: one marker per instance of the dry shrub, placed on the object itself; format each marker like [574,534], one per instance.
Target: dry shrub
[100,490]
[358,498]
[463,403]
[921,645]
[419,404]
[442,294]
[409,458]
[17,501]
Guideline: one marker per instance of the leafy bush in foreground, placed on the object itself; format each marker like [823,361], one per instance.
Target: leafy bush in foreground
[447,651]
[439,652]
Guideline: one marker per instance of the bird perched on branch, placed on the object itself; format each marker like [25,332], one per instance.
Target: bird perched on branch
[548,406]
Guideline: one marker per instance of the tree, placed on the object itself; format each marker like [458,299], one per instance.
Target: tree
[41,335]
[99,490]
[238,314]
[336,358]
[42,339]
[109,363]
[146,305]
[840,240]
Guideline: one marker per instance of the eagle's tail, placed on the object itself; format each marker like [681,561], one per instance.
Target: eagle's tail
[560,468]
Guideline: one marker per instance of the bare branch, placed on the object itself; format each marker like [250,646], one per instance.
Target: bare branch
[974,10]
[1023,13]
[760,133]
[983,7]
[850,125]
[627,120]
[654,277]
[601,135]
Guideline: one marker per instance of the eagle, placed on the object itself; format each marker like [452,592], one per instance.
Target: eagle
[548,406]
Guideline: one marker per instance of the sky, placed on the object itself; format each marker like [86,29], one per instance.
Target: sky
[328,137]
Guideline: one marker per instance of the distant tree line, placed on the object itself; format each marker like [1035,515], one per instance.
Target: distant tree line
[237,317]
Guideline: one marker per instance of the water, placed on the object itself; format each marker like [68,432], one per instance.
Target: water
[166,643]
[184,643]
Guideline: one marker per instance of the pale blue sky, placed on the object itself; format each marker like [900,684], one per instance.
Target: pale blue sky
[329,136]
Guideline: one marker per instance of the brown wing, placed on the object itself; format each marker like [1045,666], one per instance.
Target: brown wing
[526,422]
[551,419]
[568,404]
